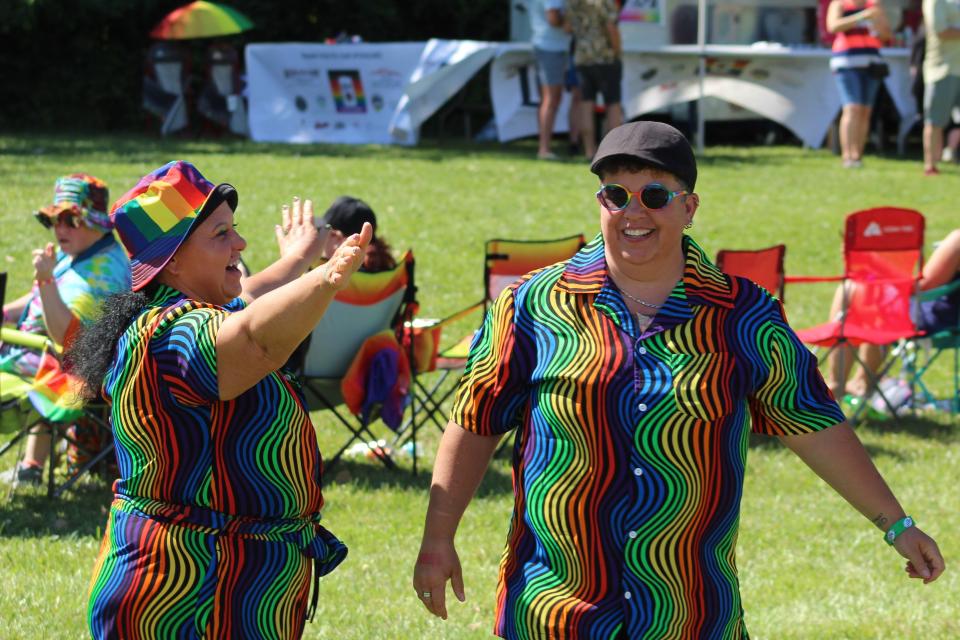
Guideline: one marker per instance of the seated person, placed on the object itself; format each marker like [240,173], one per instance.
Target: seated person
[936,315]
[69,285]
[346,216]
[343,218]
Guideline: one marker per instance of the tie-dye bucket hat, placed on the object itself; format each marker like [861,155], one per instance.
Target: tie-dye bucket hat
[156,216]
[83,194]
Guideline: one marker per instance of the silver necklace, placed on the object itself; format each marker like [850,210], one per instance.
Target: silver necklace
[643,302]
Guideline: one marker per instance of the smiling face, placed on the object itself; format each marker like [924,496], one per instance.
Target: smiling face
[645,244]
[205,266]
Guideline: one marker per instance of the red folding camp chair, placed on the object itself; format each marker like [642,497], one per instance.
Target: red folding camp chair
[763,266]
[883,259]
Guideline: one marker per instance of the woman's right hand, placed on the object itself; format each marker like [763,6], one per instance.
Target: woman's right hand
[297,234]
[44,261]
[347,258]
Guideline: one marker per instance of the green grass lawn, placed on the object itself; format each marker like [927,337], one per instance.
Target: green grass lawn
[810,566]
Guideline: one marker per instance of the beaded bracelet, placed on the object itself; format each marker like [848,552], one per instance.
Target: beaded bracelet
[42,281]
[898,527]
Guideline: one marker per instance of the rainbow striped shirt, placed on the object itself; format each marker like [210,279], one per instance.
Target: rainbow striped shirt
[214,529]
[631,450]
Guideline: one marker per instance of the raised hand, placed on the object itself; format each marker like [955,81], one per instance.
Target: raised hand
[297,234]
[44,261]
[347,258]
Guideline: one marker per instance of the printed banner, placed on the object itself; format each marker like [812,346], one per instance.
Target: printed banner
[344,93]
[642,11]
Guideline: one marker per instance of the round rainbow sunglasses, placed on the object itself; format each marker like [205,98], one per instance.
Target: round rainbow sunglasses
[616,197]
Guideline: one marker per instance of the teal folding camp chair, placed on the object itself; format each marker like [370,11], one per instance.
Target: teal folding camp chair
[355,356]
[920,354]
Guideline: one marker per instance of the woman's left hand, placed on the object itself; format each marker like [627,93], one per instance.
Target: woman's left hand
[347,258]
[44,261]
[297,234]
[923,556]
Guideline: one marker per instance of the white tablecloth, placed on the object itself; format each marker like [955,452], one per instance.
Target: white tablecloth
[792,86]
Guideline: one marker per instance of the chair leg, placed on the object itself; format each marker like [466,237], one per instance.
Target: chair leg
[874,380]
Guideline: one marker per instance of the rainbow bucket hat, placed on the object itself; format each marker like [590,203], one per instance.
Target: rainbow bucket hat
[156,216]
[84,194]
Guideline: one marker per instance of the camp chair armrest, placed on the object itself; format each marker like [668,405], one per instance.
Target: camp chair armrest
[808,279]
[34,341]
[462,313]
[937,292]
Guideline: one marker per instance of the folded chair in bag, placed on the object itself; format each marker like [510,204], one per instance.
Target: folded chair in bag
[165,86]
[763,266]
[48,397]
[504,262]
[221,100]
[883,259]
[354,356]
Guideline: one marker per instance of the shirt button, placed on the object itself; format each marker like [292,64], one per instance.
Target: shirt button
[638,471]
[642,407]
[632,534]
[627,595]
[642,351]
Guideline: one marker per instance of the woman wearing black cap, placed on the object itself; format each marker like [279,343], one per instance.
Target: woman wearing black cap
[635,373]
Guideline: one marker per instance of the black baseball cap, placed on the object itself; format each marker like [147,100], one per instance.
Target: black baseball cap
[347,215]
[653,143]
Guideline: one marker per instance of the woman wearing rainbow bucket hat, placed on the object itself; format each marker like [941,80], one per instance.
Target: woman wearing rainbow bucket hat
[70,279]
[215,527]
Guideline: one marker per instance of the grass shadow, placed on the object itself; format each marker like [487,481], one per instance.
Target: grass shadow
[372,475]
[127,148]
[81,511]
[936,427]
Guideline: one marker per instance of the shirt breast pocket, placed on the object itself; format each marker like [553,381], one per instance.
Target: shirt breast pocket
[704,384]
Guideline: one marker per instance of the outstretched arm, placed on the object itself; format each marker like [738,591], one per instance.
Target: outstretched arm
[838,456]
[462,459]
[257,340]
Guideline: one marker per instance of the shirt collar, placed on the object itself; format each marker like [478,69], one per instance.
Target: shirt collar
[702,284]
[101,244]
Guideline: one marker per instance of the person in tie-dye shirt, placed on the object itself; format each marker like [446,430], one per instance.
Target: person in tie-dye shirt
[634,374]
[214,530]
[71,279]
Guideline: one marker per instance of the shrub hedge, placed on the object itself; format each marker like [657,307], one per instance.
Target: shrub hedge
[78,64]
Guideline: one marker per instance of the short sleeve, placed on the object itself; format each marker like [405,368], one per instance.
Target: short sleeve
[792,397]
[186,356]
[493,389]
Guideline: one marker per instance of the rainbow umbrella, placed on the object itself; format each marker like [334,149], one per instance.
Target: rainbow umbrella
[201,20]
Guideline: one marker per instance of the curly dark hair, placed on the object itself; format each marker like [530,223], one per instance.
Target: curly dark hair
[89,356]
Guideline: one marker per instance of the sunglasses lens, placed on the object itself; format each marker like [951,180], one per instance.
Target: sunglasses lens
[71,219]
[43,220]
[614,197]
[654,196]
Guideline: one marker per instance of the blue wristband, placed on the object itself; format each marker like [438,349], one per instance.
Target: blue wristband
[897,528]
